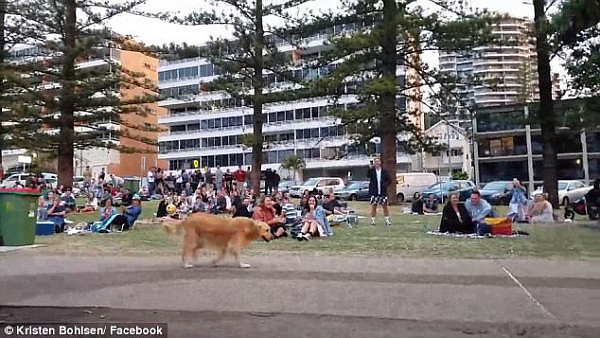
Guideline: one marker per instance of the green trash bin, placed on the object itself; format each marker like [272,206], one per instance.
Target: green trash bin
[18,214]
[132,183]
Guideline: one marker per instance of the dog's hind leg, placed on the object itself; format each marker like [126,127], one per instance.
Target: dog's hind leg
[189,250]
[236,254]
[219,258]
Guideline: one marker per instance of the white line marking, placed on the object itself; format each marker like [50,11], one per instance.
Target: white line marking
[533,299]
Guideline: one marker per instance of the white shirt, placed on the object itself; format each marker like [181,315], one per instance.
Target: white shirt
[150,177]
[378,175]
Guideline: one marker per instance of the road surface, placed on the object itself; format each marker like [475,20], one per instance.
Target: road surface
[308,296]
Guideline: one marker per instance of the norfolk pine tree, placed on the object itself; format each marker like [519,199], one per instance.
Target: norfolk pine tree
[395,34]
[574,28]
[245,59]
[66,107]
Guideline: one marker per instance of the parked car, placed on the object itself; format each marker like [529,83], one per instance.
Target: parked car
[407,184]
[53,182]
[354,191]
[284,186]
[568,191]
[78,182]
[12,180]
[497,192]
[443,189]
[319,183]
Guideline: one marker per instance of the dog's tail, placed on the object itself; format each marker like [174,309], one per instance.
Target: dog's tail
[172,227]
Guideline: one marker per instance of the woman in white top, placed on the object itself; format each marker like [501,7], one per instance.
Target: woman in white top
[541,210]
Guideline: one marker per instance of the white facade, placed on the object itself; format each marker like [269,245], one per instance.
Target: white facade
[509,71]
[457,157]
[206,128]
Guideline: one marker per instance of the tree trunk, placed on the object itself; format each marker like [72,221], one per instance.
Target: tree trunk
[546,113]
[3,5]
[387,100]
[67,100]
[257,100]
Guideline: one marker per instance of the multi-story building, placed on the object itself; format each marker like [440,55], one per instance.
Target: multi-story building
[206,129]
[113,160]
[457,157]
[507,147]
[503,73]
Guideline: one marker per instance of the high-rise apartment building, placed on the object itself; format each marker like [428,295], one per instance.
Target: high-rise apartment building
[206,129]
[114,161]
[508,71]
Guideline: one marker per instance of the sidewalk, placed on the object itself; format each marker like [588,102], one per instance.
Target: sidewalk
[488,292]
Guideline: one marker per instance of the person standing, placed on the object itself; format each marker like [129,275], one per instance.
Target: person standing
[248,177]
[240,177]
[219,178]
[518,201]
[379,179]
[87,177]
[276,180]
[101,175]
[208,178]
[228,180]
[150,177]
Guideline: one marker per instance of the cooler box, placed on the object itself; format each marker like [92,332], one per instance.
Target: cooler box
[44,228]
[500,226]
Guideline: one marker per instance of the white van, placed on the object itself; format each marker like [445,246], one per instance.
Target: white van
[11,181]
[322,184]
[407,184]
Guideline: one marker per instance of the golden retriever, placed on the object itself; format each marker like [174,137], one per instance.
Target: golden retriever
[225,235]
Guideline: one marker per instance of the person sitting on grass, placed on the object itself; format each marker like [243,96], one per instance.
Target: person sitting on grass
[417,204]
[242,209]
[56,214]
[289,211]
[91,204]
[107,212]
[69,200]
[161,211]
[266,213]
[182,206]
[126,220]
[479,209]
[42,211]
[455,217]
[430,205]
[314,221]
[541,210]
[126,197]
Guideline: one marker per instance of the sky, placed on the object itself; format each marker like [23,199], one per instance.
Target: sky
[154,31]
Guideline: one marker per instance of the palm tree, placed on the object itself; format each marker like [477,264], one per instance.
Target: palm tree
[293,162]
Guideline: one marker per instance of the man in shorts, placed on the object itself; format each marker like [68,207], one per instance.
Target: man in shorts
[379,181]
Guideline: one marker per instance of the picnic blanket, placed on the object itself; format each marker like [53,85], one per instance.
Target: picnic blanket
[447,234]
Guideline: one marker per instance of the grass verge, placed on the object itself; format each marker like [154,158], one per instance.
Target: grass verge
[405,238]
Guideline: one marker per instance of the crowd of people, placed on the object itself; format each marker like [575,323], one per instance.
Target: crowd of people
[470,217]
[311,217]
[159,183]
[227,192]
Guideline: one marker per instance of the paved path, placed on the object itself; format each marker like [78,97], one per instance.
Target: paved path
[310,295]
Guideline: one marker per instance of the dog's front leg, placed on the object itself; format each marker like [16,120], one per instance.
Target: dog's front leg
[236,254]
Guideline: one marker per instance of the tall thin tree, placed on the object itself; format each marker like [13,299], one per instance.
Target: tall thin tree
[245,60]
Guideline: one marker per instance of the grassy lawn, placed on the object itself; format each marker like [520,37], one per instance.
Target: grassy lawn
[405,238]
